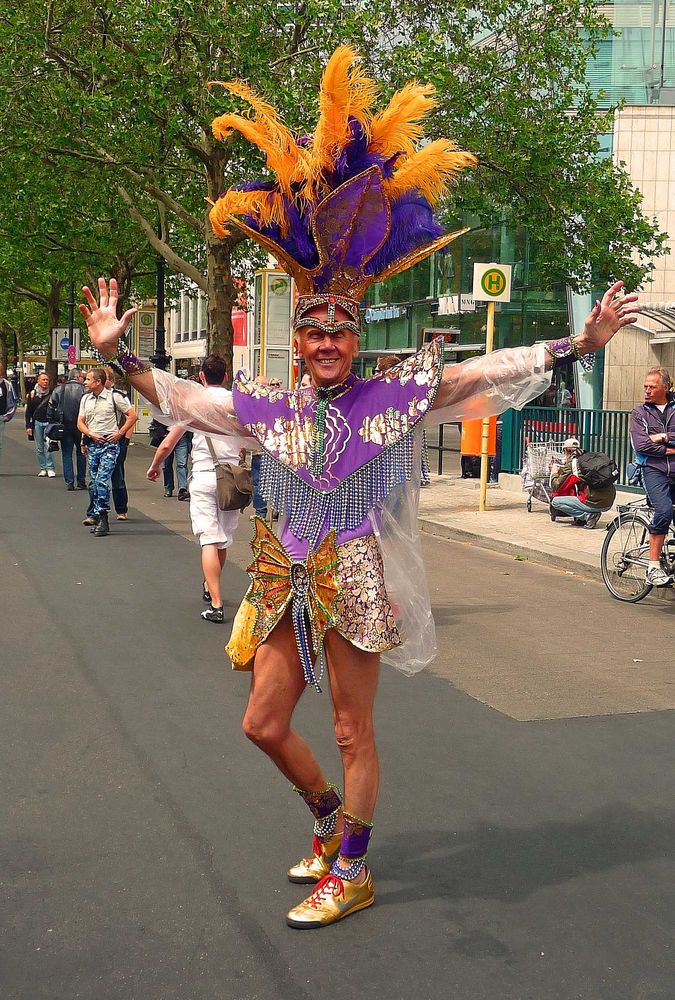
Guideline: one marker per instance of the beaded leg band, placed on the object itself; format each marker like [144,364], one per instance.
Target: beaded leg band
[324,807]
[353,849]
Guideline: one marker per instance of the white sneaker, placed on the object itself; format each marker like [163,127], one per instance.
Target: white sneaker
[42,474]
[51,473]
[658,577]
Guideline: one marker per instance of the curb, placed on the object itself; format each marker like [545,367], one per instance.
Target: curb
[560,562]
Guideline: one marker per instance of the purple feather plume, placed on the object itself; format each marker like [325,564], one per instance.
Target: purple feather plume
[412,225]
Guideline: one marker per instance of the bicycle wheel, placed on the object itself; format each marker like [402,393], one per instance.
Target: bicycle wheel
[624,558]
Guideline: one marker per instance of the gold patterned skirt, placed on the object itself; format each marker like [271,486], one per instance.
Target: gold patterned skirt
[346,592]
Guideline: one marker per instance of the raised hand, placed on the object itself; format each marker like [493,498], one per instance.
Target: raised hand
[103,326]
[607,316]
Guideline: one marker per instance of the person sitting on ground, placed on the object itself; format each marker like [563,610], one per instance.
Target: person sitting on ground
[212,527]
[573,497]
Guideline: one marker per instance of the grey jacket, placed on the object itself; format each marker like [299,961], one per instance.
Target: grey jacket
[645,420]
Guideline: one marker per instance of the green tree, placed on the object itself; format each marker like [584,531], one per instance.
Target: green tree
[510,76]
[118,93]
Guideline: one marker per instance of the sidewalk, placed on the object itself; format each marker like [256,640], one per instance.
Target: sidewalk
[449,508]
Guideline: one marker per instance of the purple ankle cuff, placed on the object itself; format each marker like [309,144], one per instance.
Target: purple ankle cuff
[323,803]
[355,837]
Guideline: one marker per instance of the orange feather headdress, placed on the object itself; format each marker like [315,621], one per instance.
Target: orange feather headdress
[354,202]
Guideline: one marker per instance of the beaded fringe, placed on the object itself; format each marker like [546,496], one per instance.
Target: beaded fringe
[311,511]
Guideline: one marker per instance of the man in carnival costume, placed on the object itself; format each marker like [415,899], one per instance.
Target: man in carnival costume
[343,582]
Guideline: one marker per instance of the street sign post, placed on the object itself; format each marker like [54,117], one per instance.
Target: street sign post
[61,343]
[491,283]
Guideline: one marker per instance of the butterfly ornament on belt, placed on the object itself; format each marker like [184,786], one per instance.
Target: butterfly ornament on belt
[311,588]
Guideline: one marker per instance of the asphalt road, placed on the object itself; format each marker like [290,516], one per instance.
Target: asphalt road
[525,832]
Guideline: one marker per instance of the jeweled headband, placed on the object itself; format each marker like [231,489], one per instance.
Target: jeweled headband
[330,324]
[353,203]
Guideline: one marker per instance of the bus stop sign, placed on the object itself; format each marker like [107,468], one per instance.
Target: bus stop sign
[492,282]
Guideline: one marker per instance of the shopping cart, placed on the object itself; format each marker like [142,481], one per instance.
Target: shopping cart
[541,456]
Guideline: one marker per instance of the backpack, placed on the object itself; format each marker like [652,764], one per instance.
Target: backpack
[595,469]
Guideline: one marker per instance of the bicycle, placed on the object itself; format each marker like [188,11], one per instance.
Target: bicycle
[625,553]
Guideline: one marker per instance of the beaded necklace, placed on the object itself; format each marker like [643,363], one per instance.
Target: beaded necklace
[324,396]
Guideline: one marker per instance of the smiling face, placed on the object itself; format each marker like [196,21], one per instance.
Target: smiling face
[328,354]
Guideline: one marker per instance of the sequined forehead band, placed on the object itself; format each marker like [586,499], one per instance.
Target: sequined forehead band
[308,302]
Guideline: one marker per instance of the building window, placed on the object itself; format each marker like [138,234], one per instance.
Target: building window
[640,61]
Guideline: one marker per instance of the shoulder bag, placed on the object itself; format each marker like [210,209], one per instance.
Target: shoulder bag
[234,487]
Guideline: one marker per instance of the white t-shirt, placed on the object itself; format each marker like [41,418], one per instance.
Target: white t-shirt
[227,448]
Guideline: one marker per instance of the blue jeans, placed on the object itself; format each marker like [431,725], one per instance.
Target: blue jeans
[45,458]
[117,481]
[73,439]
[180,453]
[573,507]
[259,505]
[661,493]
[102,458]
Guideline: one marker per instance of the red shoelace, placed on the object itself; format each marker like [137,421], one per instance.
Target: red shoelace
[330,885]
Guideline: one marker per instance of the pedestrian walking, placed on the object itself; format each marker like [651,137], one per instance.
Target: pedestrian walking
[341,459]
[36,425]
[98,422]
[179,455]
[8,402]
[118,485]
[64,408]
[212,527]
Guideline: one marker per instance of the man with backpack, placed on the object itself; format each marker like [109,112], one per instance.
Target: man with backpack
[583,487]
[652,432]
[64,409]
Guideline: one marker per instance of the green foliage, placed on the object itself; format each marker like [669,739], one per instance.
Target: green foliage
[518,100]
[106,148]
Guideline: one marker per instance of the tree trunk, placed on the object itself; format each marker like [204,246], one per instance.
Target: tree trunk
[221,297]
[4,352]
[220,287]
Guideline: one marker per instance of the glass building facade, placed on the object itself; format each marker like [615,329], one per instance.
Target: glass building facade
[637,63]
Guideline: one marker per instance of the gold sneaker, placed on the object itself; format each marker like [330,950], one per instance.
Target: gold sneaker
[333,899]
[313,869]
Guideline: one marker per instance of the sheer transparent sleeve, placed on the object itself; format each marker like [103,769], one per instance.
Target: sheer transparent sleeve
[484,387]
[186,403]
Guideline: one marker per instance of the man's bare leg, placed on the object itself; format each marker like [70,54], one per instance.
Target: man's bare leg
[276,686]
[353,680]
[656,547]
[213,560]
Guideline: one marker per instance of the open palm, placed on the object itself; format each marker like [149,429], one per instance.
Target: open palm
[608,316]
[104,328]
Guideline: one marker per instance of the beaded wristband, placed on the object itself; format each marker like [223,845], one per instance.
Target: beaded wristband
[560,350]
[130,364]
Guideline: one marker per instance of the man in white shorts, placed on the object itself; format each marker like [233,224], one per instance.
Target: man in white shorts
[213,528]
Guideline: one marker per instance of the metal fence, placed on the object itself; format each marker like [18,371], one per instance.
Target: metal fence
[597,430]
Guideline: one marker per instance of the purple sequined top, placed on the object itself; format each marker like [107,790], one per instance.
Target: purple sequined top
[367,446]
